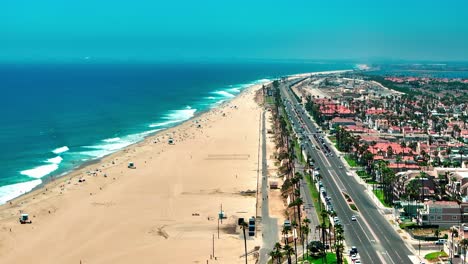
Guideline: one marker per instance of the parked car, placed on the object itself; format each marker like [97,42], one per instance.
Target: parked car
[441,241]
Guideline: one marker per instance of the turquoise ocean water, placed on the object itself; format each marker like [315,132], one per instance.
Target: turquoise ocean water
[57,117]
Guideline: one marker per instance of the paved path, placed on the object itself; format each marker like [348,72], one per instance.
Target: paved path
[269,225]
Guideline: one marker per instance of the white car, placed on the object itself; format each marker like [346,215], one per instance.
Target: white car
[353,218]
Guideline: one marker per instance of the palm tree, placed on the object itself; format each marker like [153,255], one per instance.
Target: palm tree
[454,233]
[285,232]
[323,226]
[288,250]
[330,227]
[298,203]
[244,225]
[306,230]
[339,243]
[464,245]
[278,254]
[398,160]
[273,255]
[437,234]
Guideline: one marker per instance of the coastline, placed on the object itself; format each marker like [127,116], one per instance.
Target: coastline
[145,199]
[46,180]
[54,176]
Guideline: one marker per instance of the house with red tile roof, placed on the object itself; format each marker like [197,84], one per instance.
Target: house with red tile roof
[370,139]
[358,129]
[383,147]
[394,129]
[374,111]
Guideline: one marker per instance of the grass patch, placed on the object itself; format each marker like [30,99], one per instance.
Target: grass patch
[315,198]
[333,141]
[379,194]
[363,174]
[269,100]
[331,259]
[353,207]
[435,255]
[350,161]
[404,225]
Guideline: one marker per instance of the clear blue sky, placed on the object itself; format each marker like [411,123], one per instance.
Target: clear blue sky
[68,30]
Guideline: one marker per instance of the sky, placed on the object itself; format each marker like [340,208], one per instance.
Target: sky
[155,30]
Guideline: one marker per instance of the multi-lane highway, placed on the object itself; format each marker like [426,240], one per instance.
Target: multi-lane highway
[372,234]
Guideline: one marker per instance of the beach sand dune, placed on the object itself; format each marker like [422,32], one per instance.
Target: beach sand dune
[164,211]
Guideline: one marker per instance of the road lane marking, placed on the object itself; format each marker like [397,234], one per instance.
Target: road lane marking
[381,257]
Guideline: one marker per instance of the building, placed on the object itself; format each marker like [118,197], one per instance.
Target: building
[338,121]
[443,213]
[403,179]
[457,185]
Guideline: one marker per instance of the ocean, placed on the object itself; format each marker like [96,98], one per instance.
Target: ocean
[57,117]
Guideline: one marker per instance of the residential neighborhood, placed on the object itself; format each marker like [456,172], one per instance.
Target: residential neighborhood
[406,137]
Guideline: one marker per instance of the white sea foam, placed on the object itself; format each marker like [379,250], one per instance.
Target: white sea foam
[176,116]
[261,81]
[211,98]
[181,115]
[224,94]
[43,170]
[111,139]
[162,124]
[55,160]
[110,146]
[40,171]
[234,90]
[12,191]
[60,150]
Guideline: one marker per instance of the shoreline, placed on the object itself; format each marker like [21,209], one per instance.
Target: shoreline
[108,213]
[159,211]
[48,180]
[53,177]
[56,176]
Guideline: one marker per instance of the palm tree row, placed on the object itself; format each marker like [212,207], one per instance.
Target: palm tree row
[387,179]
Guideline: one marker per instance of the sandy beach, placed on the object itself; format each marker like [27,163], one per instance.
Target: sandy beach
[163,211]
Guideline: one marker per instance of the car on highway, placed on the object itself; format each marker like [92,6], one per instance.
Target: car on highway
[340,167]
[353,218]
[353,251]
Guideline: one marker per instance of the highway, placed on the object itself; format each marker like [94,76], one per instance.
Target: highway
[372,234]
